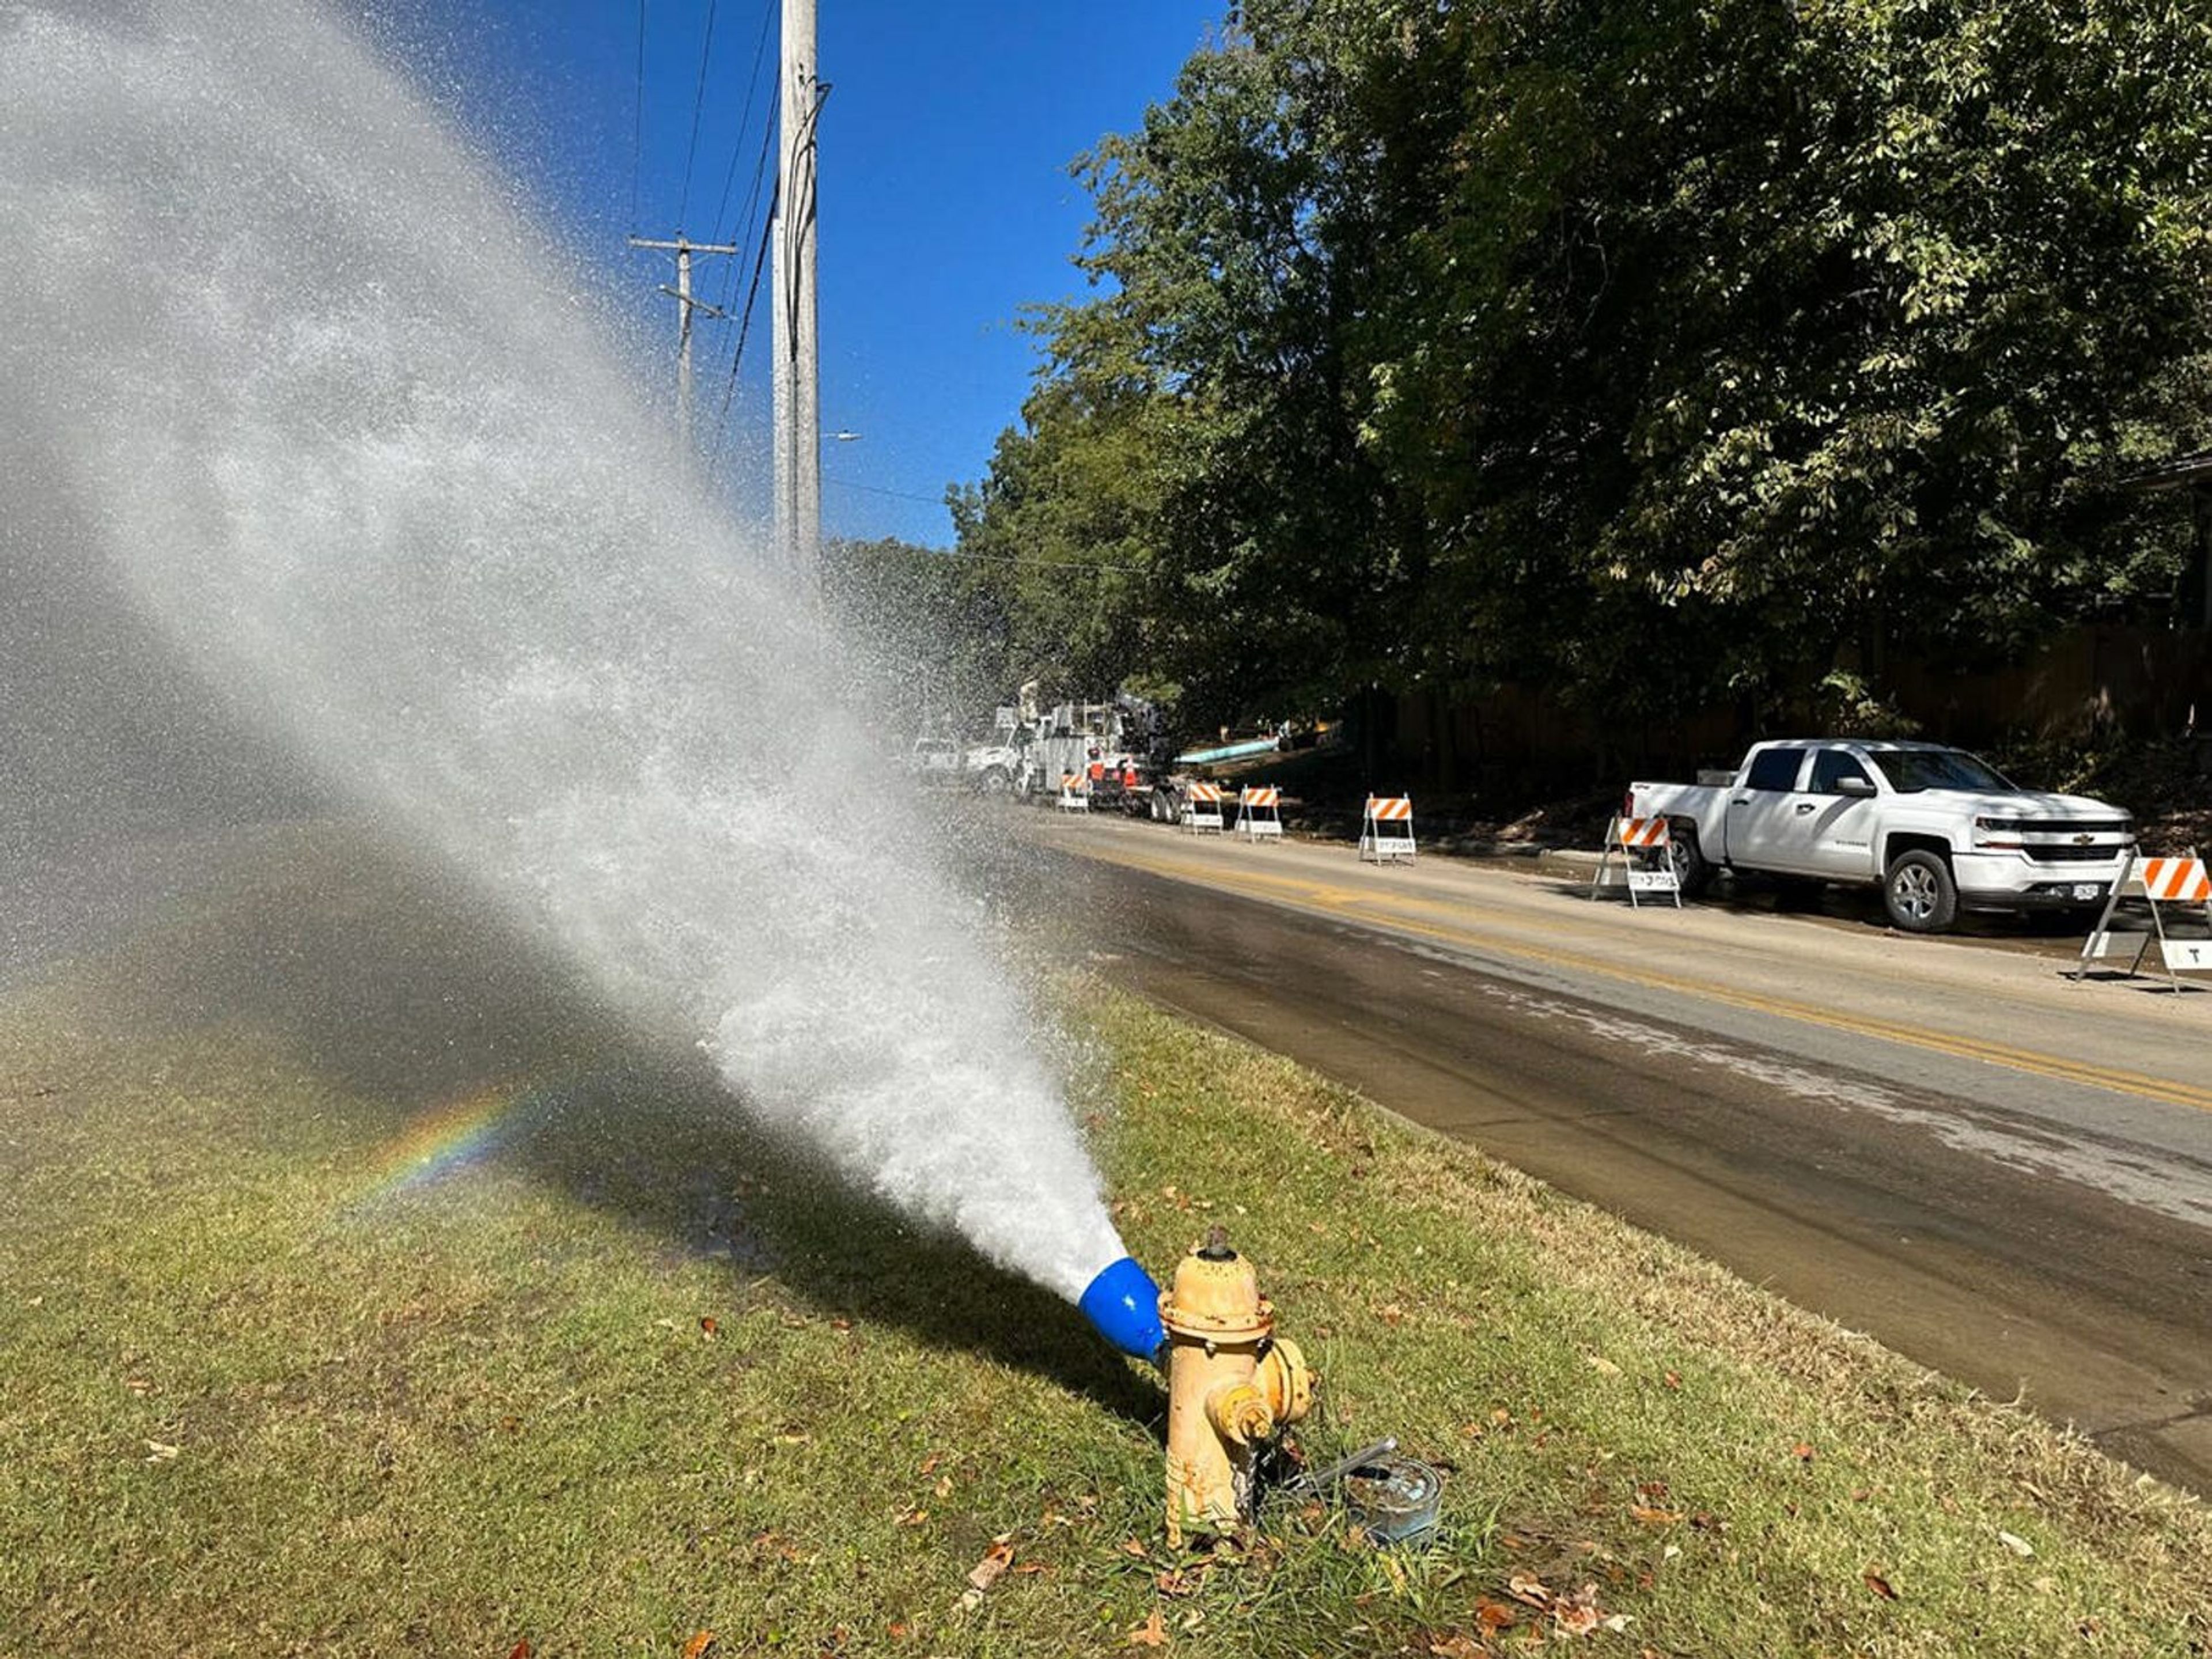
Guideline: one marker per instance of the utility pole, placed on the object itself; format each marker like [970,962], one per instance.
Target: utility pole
[685,305]
[798,360]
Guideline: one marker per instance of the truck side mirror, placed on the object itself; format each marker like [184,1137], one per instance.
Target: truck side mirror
[1862,787]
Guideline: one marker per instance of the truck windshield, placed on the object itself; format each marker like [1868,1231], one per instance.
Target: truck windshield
[1911,770]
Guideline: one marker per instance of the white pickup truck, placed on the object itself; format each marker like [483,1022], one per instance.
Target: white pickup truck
[1937,830]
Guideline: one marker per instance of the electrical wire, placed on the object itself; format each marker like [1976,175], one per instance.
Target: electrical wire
[878,489]
[698,103]
[753,201]
[745,326]
[745,121]
[637,120]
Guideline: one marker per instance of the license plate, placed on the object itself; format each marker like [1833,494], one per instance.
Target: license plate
[2086,890]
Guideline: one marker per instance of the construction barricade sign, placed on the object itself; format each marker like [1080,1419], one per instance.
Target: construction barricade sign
[1202,811]
[1259,812]
[1644,848]
[1386,830]
[1074,794]
[2166,893]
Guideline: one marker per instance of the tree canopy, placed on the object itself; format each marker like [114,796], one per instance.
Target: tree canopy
[1638,353]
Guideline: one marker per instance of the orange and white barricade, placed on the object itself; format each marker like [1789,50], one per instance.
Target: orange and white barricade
[1259,812]
[1201,809]
[2163,885]
[1074,793]
[1385,828]
[1645,848]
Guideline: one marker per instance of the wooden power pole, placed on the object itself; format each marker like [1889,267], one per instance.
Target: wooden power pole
[797,355]
[685,305]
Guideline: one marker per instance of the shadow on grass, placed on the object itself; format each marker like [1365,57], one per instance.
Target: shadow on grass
[410,993]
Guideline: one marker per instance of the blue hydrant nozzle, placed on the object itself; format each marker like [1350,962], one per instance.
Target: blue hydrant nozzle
[1123,1304]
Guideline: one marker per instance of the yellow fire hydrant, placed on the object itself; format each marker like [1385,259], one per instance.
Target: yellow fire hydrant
[1233,1385]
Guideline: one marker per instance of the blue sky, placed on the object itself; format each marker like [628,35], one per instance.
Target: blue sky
[945,201]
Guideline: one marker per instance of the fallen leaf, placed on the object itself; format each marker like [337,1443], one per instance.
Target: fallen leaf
[1457,1646]
[1574,1620]
[1152,1633]
[841,1324]
[1524,1587]
[1134,1546]
[944,1487]
[160,1451]
[929,1463]
[913,1517]
[698,1644]
[900,1629]
[2016,1544]
[1494,1615]
[1801,1452]
[1656,1517]
[521,1649]
[1674,1379]
[1602,1366]
[1577,1615]
[1879,1585]
[709,1324]
[1391,1314]
[1175,1582]
[985,1573]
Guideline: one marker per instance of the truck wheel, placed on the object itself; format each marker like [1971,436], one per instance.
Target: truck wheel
[1918,892]
[993,781]
[1692,873]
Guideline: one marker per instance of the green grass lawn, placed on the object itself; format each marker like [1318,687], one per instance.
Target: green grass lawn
[312,1346]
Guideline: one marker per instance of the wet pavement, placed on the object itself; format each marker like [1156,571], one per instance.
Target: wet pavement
[1998,1172]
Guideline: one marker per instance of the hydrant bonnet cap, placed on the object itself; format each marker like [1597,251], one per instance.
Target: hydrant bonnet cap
[1124,1304]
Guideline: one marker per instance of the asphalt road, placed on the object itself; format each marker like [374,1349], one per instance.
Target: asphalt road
[1995,1171]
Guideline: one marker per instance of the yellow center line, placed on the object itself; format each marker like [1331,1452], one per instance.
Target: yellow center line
[1380,909]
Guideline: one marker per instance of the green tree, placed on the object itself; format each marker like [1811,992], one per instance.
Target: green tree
[1648,354]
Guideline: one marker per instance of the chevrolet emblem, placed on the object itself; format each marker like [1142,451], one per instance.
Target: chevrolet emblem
[2083,840]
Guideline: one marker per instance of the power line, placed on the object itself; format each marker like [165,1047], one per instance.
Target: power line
[753,199]
[746,119]
[745,324]
[877,489]
[698,103]
[637,120]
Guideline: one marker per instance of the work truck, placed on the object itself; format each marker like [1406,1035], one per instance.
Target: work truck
[1935,829]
